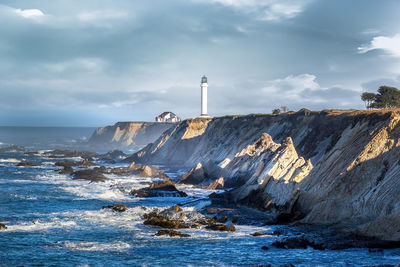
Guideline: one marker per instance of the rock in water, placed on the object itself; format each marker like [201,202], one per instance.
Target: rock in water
[2,227]
[171,233]
[175,218]
[222,227]
[163,189]
[93,175]
[113,155]
[117,207]
[26,164]
[258,234]
[66,170]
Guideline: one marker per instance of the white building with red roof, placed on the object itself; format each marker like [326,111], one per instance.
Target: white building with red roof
[167,117]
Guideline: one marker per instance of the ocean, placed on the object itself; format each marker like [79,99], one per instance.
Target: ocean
[53,220]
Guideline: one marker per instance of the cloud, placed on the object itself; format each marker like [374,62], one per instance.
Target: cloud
[267,10]
[389,44]
[293,83]
[293,91]
[372,86]
[29,13]
[129,60]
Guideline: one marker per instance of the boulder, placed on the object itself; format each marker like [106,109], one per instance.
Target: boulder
[117,207]
[26,164]
[93,175]
[221,227]
[2,227]
[112,155]
[163,189]
[86,162]
[171,233]
[175,218]
[258,234]
[66,170]
[274,233]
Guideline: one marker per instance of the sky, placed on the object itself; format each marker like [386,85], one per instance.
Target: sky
[96,62]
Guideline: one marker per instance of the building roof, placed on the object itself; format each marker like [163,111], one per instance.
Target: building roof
[162,115]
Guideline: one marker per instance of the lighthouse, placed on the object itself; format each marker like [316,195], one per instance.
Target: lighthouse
[204,86]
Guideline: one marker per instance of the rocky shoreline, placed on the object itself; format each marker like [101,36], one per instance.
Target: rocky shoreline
[322,168]
[288,169]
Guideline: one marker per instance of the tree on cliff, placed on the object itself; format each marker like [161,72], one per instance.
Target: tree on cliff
[276,111]
[368,98]
[387,97]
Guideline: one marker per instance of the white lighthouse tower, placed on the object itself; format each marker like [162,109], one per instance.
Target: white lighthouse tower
[204,86]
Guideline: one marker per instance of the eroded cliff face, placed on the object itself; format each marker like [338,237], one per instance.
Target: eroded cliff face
[336,167]
[133,135]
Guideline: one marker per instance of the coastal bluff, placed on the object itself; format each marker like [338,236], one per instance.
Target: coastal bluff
[133,135]
[332,167]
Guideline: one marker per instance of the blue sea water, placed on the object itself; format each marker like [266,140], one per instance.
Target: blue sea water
[53,220]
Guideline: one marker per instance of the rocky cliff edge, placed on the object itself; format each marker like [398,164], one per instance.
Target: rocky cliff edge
[330,167]
[133,135]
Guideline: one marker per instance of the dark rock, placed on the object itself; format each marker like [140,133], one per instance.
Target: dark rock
[117,207]
[221,227]
[66,170]
[258,234]
[163,189]
[175,218]
[2,227]
[284,218]
[163,221]
[93,175]
[265,248]
[296,243]
[86,162]
[274,233]
[26,164]
[112,155]
[171,233]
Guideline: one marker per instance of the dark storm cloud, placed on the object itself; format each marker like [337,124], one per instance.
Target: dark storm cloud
[129,60]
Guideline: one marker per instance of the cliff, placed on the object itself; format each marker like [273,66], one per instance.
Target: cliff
[134,135]
[332,167]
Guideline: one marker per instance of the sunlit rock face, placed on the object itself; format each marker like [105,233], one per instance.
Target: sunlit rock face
[135,135]
[337,167]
